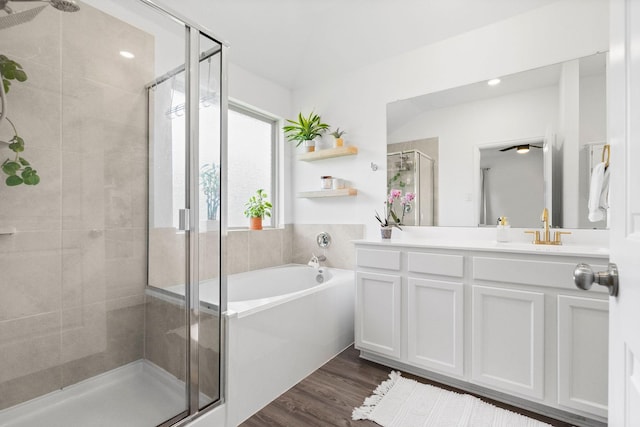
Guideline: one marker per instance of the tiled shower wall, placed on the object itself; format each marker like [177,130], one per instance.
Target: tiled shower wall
[72,278]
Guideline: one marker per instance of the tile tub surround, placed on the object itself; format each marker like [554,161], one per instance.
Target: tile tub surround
[73,276]
[248,250]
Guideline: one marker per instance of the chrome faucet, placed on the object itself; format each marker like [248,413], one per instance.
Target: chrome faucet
[546,237]
[316,260]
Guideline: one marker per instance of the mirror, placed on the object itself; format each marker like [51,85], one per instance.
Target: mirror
[473,141]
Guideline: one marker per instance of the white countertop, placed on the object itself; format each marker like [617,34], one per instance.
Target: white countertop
[567,249]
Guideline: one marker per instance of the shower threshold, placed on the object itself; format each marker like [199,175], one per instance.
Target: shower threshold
[139,394]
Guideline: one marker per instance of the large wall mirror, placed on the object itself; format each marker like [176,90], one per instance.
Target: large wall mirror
[509,148]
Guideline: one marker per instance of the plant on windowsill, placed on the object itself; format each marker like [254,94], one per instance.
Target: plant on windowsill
[305,130]
[18,169]
[256,209]
[395,200]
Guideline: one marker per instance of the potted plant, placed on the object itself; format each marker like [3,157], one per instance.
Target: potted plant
[305,130]
[337,134]
[256,209]
[18,169]
[395,200]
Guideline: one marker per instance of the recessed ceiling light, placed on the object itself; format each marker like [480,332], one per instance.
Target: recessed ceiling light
[126,54]
[493,82]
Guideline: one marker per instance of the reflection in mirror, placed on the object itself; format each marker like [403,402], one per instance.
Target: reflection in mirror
[411,168]
[511,184]
[561,106]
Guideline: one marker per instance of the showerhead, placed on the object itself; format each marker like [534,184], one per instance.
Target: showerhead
[16,18]
[65,5]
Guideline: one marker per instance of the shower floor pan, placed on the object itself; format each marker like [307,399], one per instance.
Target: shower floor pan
[135,395]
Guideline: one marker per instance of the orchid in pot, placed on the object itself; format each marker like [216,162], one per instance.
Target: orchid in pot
[396,206]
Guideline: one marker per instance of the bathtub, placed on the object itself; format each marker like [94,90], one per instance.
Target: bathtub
[282,323]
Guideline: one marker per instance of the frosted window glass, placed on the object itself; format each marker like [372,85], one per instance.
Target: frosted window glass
[250,160]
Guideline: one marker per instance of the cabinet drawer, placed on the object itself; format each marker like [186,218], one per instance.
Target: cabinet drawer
[445,265]
[376,258]
[529,272]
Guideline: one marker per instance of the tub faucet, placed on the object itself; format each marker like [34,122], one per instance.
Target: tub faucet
[316,260]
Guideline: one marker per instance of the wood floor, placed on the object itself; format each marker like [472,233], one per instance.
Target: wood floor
[327,396]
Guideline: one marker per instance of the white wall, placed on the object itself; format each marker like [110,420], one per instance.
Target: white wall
[357,101]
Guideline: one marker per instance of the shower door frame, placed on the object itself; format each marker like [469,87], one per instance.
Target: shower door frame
[193,32]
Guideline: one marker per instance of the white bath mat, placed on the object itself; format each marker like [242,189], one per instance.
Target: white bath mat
[401,402]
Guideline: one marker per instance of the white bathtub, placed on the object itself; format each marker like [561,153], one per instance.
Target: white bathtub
[275,341]
[282,324]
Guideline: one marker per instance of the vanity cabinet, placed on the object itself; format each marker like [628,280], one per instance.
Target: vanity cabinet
[583,359]
[378,312]
[508,340]
[435,328]
[509,325]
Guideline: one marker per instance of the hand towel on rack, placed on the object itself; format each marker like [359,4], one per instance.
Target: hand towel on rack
[599,193]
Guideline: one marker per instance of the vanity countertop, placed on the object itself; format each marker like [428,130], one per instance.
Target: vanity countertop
[493,246]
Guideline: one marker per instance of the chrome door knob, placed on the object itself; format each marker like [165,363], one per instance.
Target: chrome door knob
[584,278]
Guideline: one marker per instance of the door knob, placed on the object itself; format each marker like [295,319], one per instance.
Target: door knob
[584,277]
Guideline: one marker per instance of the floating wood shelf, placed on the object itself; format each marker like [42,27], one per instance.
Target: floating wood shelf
[328,193]
[328,153]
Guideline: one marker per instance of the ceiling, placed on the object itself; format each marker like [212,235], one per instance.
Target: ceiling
[297,42]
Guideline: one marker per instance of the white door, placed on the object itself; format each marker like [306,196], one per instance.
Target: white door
[624,136]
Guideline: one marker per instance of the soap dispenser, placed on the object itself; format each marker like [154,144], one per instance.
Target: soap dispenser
[502,230]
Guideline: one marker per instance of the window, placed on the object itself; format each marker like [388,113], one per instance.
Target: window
[251,155]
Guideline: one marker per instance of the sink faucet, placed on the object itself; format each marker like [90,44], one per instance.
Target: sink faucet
[546,237]
[545,221]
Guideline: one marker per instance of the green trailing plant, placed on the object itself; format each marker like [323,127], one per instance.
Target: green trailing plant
[305,129]
[210,182]
[18,169]
[258,206]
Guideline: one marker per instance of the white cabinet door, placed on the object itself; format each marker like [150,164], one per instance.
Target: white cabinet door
[508,340]
[378,311]
[583,331]
[435,325]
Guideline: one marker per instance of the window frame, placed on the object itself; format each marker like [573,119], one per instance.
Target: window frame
[273,192]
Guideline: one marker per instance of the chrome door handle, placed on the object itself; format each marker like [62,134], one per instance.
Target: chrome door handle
[584,277]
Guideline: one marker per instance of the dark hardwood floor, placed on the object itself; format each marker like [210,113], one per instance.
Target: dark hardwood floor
[327,396]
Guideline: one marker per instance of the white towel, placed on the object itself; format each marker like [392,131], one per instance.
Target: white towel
[599,193]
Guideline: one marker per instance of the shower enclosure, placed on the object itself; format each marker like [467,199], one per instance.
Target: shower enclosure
[413,171]
[121,114]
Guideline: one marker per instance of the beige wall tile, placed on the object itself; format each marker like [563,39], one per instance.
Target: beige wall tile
[30,357]
[33,207]
[165,335]
[29,345]
[340,253]
[237,251]
[166,257]
[101,337]
[31,275]
[33,40]
[209,255]
[83,187]
[265,248]
[34,107]
[90,33]
[29,386]
[83,267]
